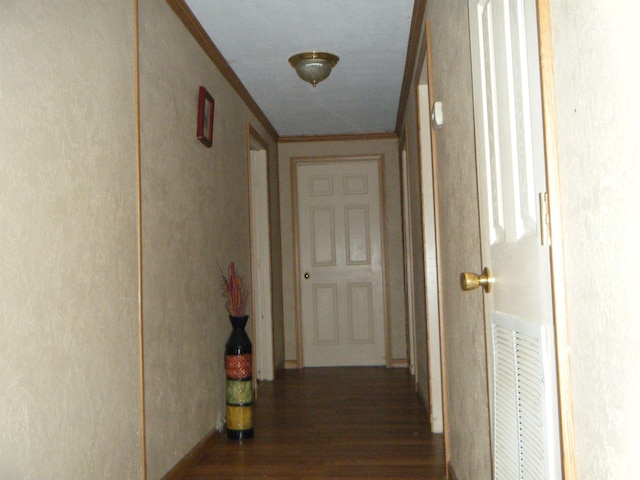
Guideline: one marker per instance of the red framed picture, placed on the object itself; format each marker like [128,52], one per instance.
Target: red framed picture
[204,131]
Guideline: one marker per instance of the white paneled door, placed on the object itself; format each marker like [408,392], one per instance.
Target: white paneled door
[340,262]
[514,243]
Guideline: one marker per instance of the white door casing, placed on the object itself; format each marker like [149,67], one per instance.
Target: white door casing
[408,262]
[511,177]
[340,265]
[430,257]
[261,263]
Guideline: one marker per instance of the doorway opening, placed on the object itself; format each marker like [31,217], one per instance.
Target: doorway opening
[340,286]
[260,255]
[430,245]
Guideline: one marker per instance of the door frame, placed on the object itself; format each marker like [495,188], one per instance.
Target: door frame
[429,208]
[262,334]
[407,245]
[549,132]
[293,168]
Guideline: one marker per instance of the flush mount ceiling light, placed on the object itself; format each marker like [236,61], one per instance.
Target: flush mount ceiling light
[313,67]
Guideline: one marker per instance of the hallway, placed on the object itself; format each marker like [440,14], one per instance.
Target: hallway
[331,423]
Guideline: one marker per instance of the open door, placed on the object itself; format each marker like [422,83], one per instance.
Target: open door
[260,256]
[516,277]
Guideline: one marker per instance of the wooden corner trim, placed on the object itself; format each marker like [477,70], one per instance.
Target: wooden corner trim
[562,343]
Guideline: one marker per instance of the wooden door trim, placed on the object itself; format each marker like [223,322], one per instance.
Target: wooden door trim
[549,131]
[293,166]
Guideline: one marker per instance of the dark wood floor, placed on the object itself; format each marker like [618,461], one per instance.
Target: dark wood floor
[331,423]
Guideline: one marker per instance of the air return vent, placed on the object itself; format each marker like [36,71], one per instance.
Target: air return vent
[520,426]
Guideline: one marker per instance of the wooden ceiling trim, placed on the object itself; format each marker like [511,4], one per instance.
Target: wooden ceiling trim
[417,21]
[189,20]
[338,138]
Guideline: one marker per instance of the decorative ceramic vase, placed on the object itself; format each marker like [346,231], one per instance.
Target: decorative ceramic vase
[239,381]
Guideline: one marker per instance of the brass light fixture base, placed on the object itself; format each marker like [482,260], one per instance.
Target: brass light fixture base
[313,67]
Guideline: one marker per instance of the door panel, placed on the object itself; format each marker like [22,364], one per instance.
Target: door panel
[340,260]
[325,318]
[360,316]
[323,236]
[511,175]
[357,235]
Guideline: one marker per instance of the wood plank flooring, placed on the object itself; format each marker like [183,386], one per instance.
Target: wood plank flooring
[331,423]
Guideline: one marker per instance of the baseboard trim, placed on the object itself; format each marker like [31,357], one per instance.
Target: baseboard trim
[187,462]
[423,398]
[399,363]
[451,473]
[291,364]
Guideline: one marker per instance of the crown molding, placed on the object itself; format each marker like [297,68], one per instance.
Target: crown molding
[190,21]
[338,138]
[417,22]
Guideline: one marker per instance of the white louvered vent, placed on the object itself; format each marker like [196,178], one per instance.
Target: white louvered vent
[519,426]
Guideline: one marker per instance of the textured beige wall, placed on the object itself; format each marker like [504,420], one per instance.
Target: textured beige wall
[598,99]
[393,239]
[195,213]
[69,368]
[465,359]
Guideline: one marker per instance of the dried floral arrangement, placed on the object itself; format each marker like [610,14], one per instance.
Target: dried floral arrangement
[234,290]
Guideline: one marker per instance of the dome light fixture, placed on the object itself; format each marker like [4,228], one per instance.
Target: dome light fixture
[313,67]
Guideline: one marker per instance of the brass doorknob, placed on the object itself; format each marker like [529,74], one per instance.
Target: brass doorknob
[471,281]
[307,275]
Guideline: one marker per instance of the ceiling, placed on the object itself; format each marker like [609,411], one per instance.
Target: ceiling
[362,94]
